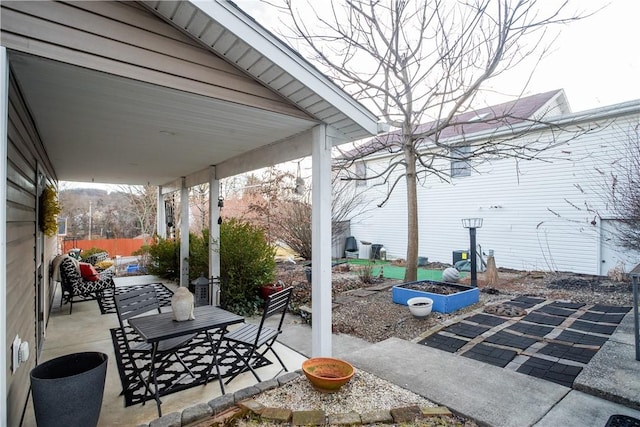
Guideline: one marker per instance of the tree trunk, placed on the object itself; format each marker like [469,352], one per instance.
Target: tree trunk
[411,273]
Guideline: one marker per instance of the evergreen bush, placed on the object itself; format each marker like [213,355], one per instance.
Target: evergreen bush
[247,261]
[164,255]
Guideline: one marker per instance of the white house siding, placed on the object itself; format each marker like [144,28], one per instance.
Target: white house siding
[24,159]
[535,212]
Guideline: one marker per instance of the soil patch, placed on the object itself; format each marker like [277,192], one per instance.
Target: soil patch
[434,288]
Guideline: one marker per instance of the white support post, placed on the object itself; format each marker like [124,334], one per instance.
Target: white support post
[321,243]
[161,217]
[214,229]
[184,234]
[4,103]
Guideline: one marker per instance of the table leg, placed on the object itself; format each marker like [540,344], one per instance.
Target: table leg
[153,376]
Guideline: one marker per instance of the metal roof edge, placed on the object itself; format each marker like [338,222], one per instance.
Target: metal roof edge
[600,113]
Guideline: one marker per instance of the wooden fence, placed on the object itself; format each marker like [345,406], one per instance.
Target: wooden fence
[121,247]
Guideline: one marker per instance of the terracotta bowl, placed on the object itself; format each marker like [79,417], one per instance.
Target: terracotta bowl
[326,374]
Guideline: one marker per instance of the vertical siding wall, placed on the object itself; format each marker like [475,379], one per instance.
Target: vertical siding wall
[537,214]
[21,248]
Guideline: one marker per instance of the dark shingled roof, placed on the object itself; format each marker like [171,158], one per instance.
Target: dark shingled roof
[507,114]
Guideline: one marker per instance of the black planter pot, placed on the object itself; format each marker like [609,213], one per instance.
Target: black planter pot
[67,391]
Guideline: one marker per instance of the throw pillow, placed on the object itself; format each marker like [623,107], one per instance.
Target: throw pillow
[88,272]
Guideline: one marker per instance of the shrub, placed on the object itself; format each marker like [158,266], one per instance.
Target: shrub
[247,261]
[86,253]
[198,255]
[164,255]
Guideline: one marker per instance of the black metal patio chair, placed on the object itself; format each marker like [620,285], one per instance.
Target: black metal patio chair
[75,288]
[257,340]
[140,302]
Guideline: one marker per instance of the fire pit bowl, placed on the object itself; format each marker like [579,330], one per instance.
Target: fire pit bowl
[327,374]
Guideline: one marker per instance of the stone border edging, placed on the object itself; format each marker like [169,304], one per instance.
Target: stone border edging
[241,400]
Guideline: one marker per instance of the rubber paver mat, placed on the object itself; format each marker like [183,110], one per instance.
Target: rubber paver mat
[508,339]
[443,342]
[602,317]
[595,328]
[554,342]
[489,354]
[529,329]
[556,311]
[552,371]
[544,319]
[486,319]
[562,351]
[466,330]
[525,302]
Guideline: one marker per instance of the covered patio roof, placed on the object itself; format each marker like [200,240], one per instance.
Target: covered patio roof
[103,127]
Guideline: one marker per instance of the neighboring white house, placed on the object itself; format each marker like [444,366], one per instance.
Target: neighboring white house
[548,214]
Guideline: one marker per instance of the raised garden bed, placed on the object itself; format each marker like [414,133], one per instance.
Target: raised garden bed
[447,297]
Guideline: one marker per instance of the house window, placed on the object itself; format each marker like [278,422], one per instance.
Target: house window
[361,172]
[459,161]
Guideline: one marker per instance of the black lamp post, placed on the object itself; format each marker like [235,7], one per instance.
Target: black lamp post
[472,224]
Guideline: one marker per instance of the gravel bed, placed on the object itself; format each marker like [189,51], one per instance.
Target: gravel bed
[375,318]
[364,393]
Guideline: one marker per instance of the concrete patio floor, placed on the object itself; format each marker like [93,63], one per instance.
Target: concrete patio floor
[88,330]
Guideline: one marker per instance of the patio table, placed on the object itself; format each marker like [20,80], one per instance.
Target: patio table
[158,327]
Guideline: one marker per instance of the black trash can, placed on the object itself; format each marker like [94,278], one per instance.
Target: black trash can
[375,251]
[351,244]
[67,391]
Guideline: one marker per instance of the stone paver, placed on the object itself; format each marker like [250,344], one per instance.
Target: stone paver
[308,418]
[406,414]
[379,416]
[279,415]
[345,419]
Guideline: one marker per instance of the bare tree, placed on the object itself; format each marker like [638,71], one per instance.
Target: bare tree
[142,204]
[416,61]
[199,202]
[624,192]
[278,201]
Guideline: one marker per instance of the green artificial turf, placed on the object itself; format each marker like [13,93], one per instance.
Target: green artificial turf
[396,272]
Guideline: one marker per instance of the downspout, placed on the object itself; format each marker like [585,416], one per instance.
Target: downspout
[321,243]
[4,96]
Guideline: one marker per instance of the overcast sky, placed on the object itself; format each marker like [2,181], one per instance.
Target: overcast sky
[596,60]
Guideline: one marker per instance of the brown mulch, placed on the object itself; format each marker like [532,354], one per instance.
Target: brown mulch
[376,318]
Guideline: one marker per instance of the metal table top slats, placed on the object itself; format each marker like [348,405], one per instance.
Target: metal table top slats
[158,327]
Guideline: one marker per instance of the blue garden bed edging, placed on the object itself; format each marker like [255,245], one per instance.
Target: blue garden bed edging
[441,303]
